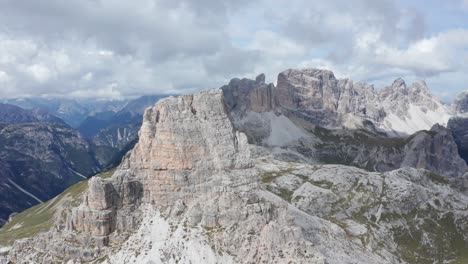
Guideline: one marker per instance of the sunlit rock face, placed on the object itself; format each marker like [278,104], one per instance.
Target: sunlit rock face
[189,132]
[185,142]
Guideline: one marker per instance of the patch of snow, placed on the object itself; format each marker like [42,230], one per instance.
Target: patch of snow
[24,191]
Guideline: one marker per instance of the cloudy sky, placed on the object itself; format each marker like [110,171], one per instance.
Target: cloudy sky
[121,48]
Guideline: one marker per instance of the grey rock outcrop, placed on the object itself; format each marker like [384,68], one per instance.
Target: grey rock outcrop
[459,128]
[242,95]
[311,104]
[183,142]
[435,151]
[323,99]
[190,162]
[461,103]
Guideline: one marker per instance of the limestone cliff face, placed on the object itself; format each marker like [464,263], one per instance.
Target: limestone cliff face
[459,128]
[459,124]
[326,100]
[192,169]
[189,132]
[435,151]
[317,95]
[309,89]
[242,95]
[305,100]
[184,141]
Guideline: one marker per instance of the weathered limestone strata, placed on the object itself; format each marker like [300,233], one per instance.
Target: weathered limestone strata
[340,103]
[435,151]
[184,141]
[306,99]
[243,95]
[459,128]
[189,132]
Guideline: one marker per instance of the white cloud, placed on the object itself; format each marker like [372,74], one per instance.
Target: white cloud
[118,48]
[4,77]
[39,72]
[277,46]
[87,77]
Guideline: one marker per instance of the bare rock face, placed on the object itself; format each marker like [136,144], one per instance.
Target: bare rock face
[309,89]
[435,151]
[249,103]
[190,169]
[189,132]
[306,99]
[461,103]
[242,95]
[100,194]
[326,101]
[321,98]
[183,142]
[459,128]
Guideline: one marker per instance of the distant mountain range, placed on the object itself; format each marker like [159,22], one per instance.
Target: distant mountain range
[12,114]
[41,154]
[73,112]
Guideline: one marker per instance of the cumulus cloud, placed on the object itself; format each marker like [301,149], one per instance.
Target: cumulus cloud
[117,48]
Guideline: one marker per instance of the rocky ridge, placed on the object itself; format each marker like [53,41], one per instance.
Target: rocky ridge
[313,114]
[459,124]
[193,190]
[12,114]
[330,102]
[320,98]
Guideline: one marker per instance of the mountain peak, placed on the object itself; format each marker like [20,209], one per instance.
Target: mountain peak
[187,126]
[311,72]
[399,83]
[260,78]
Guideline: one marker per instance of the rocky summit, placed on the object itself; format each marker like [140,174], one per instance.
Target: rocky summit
[304,172]
[331,102]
